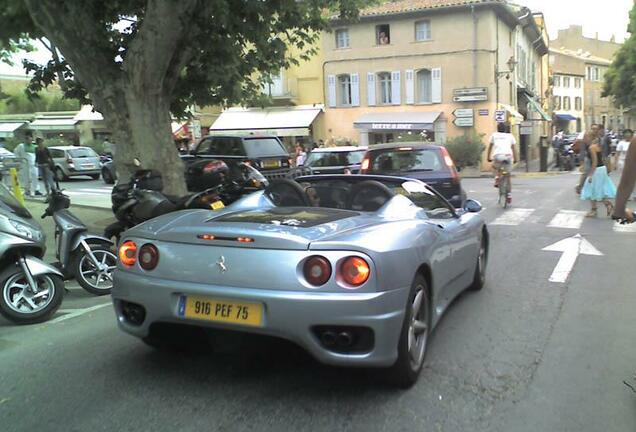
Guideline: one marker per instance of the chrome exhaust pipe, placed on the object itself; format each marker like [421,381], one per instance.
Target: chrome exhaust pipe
[345,339]
[328,338]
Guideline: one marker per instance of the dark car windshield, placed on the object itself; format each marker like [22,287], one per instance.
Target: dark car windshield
[82,153]
[328,159]
[8,201]
[264,147]
[405,160]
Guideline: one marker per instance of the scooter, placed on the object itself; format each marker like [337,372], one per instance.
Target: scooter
[82,255]
[30,289]
[567,157]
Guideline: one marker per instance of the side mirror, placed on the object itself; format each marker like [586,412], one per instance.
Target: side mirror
[472,206]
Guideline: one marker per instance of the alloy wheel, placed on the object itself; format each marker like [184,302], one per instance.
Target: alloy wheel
[99,277]
[20,298]
[418,328]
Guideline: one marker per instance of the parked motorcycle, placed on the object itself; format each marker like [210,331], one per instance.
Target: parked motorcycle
[142,198]
[82,255]
[31,290]
[567,157]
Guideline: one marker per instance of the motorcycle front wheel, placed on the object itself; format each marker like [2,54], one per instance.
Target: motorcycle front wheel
[19,304]
[96,279]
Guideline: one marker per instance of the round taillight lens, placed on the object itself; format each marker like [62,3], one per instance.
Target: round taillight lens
[355,271]
[317,270]
[128,253]
[148,257]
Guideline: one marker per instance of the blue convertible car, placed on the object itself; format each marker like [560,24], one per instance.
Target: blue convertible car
[357,270]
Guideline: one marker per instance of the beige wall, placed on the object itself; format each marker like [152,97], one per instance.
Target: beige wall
[572,38]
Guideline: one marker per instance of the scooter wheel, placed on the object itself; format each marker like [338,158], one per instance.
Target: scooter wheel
[19,305]
[98,281]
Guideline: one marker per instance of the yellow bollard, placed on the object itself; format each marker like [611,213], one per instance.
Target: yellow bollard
[16,185]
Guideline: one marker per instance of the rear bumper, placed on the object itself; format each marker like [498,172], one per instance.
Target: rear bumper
[289,315]
[71,172]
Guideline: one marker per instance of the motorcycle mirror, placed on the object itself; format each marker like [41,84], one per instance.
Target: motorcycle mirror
[136,162]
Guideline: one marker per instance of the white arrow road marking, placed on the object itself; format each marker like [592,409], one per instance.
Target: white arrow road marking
[513,216]
[571,248]
[567,219]
[72,313]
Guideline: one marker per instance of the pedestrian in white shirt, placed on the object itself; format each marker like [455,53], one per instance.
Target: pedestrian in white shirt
[621,148]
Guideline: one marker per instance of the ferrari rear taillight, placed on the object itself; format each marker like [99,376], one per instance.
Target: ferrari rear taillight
[148,257]
[354,271]
[128,253]
[317,270]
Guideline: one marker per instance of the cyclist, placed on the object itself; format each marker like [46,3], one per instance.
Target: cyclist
[502,153]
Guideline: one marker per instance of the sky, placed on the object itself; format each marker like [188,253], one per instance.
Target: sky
[607,18]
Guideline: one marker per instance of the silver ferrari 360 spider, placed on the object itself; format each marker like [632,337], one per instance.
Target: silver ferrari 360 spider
[357,270]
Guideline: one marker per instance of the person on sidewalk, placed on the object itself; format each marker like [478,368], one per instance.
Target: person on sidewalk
[25,151]
[502,152]
[626,186]
[598,186]
[45,164]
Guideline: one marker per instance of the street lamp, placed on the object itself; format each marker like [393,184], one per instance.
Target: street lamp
[511,68]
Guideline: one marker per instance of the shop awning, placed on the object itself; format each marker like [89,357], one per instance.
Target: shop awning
[565,117]
[397,120]
[54,124]
[288,121]
[535,106]
[7,130]
[513,112]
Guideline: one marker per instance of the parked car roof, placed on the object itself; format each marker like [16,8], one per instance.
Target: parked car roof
[339,149]
[69,147]
[415,145]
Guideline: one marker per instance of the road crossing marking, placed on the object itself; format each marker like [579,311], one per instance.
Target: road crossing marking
[513,217]
[628,228]
[72,313]
[571,219]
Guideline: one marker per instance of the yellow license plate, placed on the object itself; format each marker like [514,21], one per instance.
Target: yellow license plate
[271,164]
[218,310]
[216,205]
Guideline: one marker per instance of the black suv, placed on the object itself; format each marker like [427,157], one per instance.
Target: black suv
[265,153]
[426,162]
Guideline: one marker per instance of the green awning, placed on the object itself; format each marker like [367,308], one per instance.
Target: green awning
[537,107]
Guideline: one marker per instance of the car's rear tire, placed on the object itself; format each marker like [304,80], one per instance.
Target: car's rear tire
[479,278]
[414,336]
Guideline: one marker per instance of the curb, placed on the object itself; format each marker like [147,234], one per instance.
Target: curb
[84,206]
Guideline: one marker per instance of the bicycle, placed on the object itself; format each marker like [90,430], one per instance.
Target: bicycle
[503,174]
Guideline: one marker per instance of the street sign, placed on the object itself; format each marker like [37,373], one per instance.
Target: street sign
[525,128]
[500,116]
[464,112]
[470,91]
[571,248]
[471,98]
[464,122]
[483,112]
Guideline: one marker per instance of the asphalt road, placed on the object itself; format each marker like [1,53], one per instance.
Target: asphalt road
[524,354]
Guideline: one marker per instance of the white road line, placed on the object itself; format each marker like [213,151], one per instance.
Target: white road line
[571,219]
[77,193]
[627,228]
[72,313]
[513,216]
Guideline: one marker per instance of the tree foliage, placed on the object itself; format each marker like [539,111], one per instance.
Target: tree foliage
[620,78]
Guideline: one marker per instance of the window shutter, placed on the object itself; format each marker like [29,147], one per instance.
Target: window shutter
[331,90]
[395,88]
[436,91]
[410,86]
[370,88]
[355,89]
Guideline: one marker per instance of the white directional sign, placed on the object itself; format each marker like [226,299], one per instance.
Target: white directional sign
[463,112]
[500,116]
[464,122]
[471,98]
[571,248]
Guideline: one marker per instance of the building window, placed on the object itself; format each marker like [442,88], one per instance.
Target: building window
[566,82]
[342,38]
[384,84]
[577,82]
[566,103]
[557,81]
[423,31]
[557,102]
[592,73]
[577,103]
[424,86]
[276,87]
[382,34]
[344,90]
